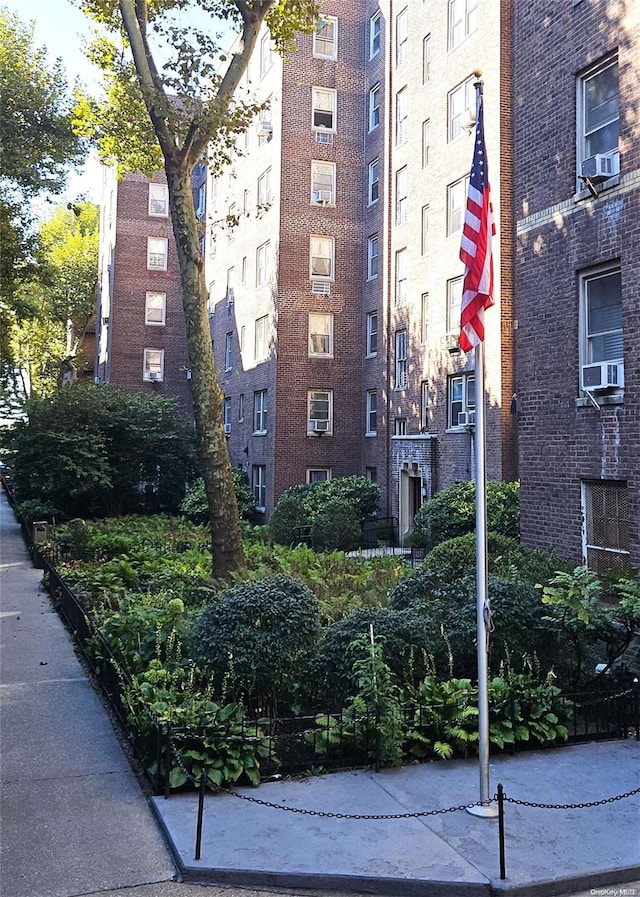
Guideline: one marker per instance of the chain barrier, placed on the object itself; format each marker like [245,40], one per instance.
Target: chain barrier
[580,806]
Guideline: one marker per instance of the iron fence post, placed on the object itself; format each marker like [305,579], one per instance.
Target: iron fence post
[167,762]
[377,740]
[201,791]
[503,873]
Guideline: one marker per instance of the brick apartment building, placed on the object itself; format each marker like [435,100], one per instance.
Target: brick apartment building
[577,286]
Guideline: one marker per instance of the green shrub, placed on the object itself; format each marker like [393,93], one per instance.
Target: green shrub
[288,514]
[336,526]
[256,636]
[195,506]
[359,492]
[34,509]
[452,513]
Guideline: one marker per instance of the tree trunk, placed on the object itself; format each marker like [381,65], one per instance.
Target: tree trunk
[226,539]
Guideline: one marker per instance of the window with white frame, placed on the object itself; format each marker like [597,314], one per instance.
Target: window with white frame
[402,116]
[233,220]
[401,345]
[158,200]
[605,515]
[261,342]
[318,474]
[372,334]
[241,407]
[371,422]
[228,352]
[599,113]
[262,257]
[320,335]
[324,102]
[461,398]
[243,275]
[245,202]
[401,195]
[400,426]
[426,142]
[155,309]
[153,365]
[372,257]
[402,36]
[426,59]
[264,125]
[260,411]
[157,252]
[461,106]
[266,54]
[226,413]
[601,316]
[375,34]
[323,183]
[201,200]
[463,20]
[320,411]
[424,230]
[454,301]
[374,107]
[424,406]
[456,203]
[325,38]
[401,277]
[259,485]
[371,474]
[264,188]
[424,317]
[374,181]
[321,257]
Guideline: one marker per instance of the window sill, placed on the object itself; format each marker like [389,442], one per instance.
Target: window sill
[603,399]
[584,193]
[259,433]
[371,433]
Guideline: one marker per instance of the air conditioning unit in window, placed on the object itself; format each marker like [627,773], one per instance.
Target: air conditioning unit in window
[227,429]
[601,167]
[319,426]
[322,196]
[265,129]
[154,375]
[603,375]
[466,418]
[325,137]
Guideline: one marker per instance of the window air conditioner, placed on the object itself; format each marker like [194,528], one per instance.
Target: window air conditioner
[600,167]
[265,129]
[324,137]
[227,429]
[154,375]
[603,375]
[466,418]
[319,426]
[322,196]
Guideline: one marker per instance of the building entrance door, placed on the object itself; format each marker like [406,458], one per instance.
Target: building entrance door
[410,498]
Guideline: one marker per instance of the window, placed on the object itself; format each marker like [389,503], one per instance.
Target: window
[228,352]
[374,34]
[462,397]
[260,411]
[424,406]
[456,201]
[372,334]
[461,104]
[258,485]
[602,316]
[426,59]
[402,36]
[201,203]
[374,107]
[321,255]
[245,202]
[158,200]
[226,413]
[401,277]
[424,231]
[606,525]
[155,309]
[324,108]
[374,181]
[463,19]
[264,188]
[243,276]
[320,411]
[325,38]
[232,221]
[401,195]
[401,359]
[266,54]
[323,183]
[262,253]
[261,343]
[426,142]
[318,474]
[371,473]
[371,423]
[153,364]
[372,257]
[598,112]
[321,335]
[157,250]
[402,116]
[264,126]
[454,301]
[241,407]
[400,426]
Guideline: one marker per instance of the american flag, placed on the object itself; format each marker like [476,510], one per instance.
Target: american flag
[475,249]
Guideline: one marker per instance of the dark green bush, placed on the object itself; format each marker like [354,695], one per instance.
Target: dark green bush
[195,507]
[34,509]
[452,513]
[256,636]
[288,514]
[359,492]
[336,526]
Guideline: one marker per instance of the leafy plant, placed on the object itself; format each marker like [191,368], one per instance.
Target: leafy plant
[445,719]
[195,507]
[336,526]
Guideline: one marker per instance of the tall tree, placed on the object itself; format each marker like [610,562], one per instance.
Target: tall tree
[195,116]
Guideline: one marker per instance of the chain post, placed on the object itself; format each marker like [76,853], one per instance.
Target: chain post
[500,795]
[201,791]
[167,762]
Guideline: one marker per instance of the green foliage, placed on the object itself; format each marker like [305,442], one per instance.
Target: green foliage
[445,721]
[195,506]
[34,509]
[451,512]
[288,514]
[523,709]
[257,635]
[336,526]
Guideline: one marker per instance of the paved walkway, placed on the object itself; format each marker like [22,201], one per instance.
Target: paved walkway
[74,821]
